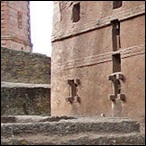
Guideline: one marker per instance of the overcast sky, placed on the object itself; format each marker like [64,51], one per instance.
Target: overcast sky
[41,13]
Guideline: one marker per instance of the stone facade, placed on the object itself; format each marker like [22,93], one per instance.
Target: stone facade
[98,58]
[15,25]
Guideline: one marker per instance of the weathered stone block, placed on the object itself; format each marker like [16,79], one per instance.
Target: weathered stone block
[25,99]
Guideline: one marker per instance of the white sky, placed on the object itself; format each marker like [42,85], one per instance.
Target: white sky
[41,15]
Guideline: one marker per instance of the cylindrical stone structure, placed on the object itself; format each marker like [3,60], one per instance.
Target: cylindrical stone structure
[15,25]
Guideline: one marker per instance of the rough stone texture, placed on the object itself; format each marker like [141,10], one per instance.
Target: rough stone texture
[71,126]
[25,83]
[25,99]
[15,25]
[83,139]
[25,67]
[70,131]
[32,118]
[83,50]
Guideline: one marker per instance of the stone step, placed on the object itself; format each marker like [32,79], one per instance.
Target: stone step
[62,126]
[85,138]
[25,99]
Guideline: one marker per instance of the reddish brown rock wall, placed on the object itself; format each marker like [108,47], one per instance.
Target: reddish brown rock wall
[84,50]
[15,25]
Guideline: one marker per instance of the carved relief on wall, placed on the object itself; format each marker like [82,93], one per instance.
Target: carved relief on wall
[19,19]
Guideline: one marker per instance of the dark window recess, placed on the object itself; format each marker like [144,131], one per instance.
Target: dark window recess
[116,62]
[76,13]
[117,4]
[116,34]
[117,87]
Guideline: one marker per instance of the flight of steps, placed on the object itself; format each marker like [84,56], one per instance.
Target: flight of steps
[64,130]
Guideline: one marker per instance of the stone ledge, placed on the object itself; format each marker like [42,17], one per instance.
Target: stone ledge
[17,85]
[76,139]
[97,59]
[71,126]
[32,118]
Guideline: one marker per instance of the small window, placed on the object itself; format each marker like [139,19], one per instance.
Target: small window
[116,62]
[116,34]
[76,13]
[116,26]
[117,4]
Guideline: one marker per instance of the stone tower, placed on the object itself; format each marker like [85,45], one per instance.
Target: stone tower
[98,59]
[15,25]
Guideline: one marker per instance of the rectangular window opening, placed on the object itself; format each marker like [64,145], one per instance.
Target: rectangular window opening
[76,12]
[117,4]
[116,58]
[116,34]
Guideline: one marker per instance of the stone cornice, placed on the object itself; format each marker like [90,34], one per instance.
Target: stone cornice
[123,15]
[96,59]
[15,39]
